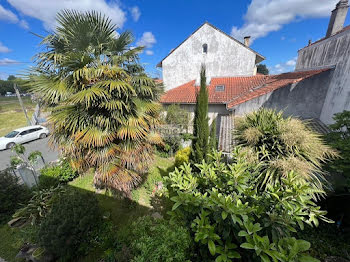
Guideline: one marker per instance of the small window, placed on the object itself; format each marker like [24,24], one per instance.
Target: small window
[220,88]
[205,49]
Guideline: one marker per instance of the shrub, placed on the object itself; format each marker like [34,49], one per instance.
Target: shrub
[177,116]
[339,138]
[182,156]
[154,240]
[232,217]
[283,145]
[55,175]
[12,195]
[73,215]
[38,206]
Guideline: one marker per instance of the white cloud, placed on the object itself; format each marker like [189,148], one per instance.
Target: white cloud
[4,49]
[135,13]
[284,67]
[7,15]
[4,76]
[147,40]
[265,16]
[7,61]
[46,10]
[149,52]
[24,24]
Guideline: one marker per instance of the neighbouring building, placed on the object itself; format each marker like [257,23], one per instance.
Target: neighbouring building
[318,88]
[222,55]
[332,51]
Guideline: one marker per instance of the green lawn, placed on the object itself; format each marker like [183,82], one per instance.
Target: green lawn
[11,114]
[120,211]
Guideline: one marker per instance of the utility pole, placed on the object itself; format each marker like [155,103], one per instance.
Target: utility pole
[21,103]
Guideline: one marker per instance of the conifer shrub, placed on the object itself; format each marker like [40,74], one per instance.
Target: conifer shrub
[182,156]
[73,215]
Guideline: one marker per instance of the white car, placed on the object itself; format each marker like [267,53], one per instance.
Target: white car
[23,135]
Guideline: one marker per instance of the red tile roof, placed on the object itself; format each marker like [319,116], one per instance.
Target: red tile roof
[237,89]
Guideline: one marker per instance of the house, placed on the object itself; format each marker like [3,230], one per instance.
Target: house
[316,90]
[331,51]
[222,55]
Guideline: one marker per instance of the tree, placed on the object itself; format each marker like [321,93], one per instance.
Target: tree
[103,106]
[283,145]
[200,124]
[177,116]
[339,138]
[11,78]
[262,69]
[213,142]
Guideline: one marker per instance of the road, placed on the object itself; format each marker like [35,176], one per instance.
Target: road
[40,145]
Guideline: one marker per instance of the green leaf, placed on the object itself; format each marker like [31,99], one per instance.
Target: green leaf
[304,258]
[224,215]
[243,233]
[264,258]
[176,205]
[212,247]
[247,246]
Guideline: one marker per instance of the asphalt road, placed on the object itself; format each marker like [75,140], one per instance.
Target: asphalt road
[40,145]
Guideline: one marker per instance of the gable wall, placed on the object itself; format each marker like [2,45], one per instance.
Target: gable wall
[225,58]
[330,52]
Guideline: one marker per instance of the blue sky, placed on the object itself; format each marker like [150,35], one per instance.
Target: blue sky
[278,27]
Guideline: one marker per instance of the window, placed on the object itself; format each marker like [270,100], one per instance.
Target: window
[220,88]
[11,134]
[205,49]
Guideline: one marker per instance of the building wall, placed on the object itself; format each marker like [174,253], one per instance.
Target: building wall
[225,57]
[304,99]
[334,51]
[213,111]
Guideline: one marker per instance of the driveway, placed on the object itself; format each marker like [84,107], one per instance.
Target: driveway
[40,145]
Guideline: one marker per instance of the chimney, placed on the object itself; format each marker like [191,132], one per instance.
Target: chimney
[310,42]
[247,41]
[338,17]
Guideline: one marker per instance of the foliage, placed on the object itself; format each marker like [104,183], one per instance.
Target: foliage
[38,206]
[103,106]
[7,85]
[327,240]
[154,240]
[187,136]
[283,145]
[213,142]
[177,116]
[262,69]
[12,195]
[339,138]
[200,123]
[182,156]
[56,174]
[172,143]
[231,217]
[73,215]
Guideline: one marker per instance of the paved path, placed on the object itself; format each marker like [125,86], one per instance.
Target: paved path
[40,145]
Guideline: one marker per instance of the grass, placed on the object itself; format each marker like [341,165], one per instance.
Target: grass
[11,241]
[120,211]
[11,114]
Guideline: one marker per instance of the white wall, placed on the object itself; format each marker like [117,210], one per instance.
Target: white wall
[225,58]
[329,52]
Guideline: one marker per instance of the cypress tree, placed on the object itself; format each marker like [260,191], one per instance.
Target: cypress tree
[200,146]
[213,143]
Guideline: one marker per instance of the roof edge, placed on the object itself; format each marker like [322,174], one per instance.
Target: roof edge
[207,23]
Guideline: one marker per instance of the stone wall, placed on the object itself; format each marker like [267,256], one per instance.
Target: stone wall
[225,57]
[333,51]
[304,99]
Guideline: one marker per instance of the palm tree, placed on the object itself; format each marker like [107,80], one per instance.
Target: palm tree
[103,106]
[283,145]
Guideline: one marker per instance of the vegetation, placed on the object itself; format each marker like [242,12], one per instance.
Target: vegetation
[38,206]
[153,240]
[73,215]
[213,142]
[200,147]
[177,116]
[231,218]
[262,69]
[11,114]
[182,156]
[103,106]
[339,138]
[7,85]
[12,195]
[52,176]
[283,145]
